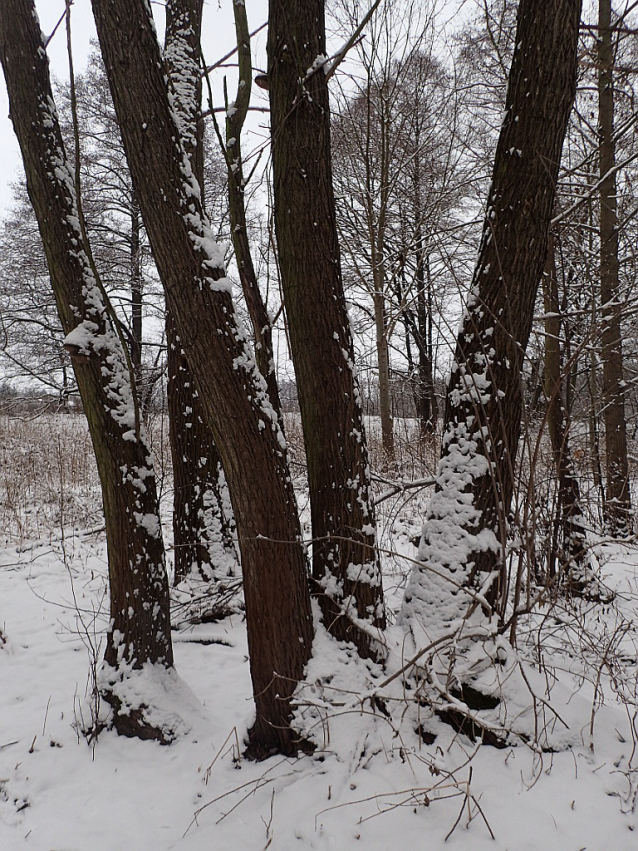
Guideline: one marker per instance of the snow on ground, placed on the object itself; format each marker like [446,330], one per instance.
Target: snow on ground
[372,782]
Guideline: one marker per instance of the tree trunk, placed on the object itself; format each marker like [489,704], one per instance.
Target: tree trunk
[570,521]
[465,533]
[139,629]
[427,408]
[383,363]
[202,518]
[377,223]
[202,522]
[232,391]
[617,505]
[136,295]
[346,568]
[235,118]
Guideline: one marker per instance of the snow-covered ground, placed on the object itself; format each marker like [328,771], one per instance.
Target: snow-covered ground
[373,780]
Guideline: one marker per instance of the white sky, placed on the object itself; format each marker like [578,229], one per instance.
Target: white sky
[218,37]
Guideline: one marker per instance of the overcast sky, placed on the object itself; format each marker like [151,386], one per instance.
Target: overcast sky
[218,38]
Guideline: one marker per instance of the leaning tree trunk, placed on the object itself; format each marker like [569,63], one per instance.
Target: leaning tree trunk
[617,504]
[346,568]
[244,424]
[465,533]
[202,522]
[139,628]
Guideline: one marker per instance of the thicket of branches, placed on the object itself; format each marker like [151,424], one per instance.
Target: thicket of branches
[468,204]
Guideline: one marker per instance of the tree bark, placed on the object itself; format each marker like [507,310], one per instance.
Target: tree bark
[346,568]
[202,518]
[465,533]
[569,521]
[139,630]
[232,391]
[202,523]
[617,504]
[235,118]
[136,294]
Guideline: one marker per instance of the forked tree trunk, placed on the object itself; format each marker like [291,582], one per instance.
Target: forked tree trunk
[202,522]
[465,534]
[235,118]
[346,568]
[232,391]
[617,504]
[139,629]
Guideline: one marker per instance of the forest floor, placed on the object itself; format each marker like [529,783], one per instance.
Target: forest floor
[386,772]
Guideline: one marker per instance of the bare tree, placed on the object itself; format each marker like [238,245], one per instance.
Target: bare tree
[617,504]
[346,568]
[236,406]
[202,522]
[236,113]
[465,533]
[139,630]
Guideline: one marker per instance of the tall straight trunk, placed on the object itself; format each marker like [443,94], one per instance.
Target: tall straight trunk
[235,118]
[139,628]
[465,533]
[346,568]
[570,521]
[427,408]
[377,224]
[233,393]
[617,505]
[136,293]
[383,363]
[202,522]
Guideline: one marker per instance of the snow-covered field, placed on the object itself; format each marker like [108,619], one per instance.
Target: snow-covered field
[373,780]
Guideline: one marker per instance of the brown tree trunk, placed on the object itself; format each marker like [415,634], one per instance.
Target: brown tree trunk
[465,533]
[136,294]
[377,222]
[346,568]
[235,118]
[383,363]
[427,409]
[202,518]
[202,523]
[617,504]
[245,428]
[570,521]
[139,630]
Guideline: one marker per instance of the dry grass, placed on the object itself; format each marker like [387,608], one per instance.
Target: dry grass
[48,477]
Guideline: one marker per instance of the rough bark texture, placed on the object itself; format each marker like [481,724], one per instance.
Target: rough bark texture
[427,408]
[235,118]
[345,566]
[136,294]
[202,517]
[568,546]
[233,393]
[202,523]
[617,504]
[465,532]
[139,630]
